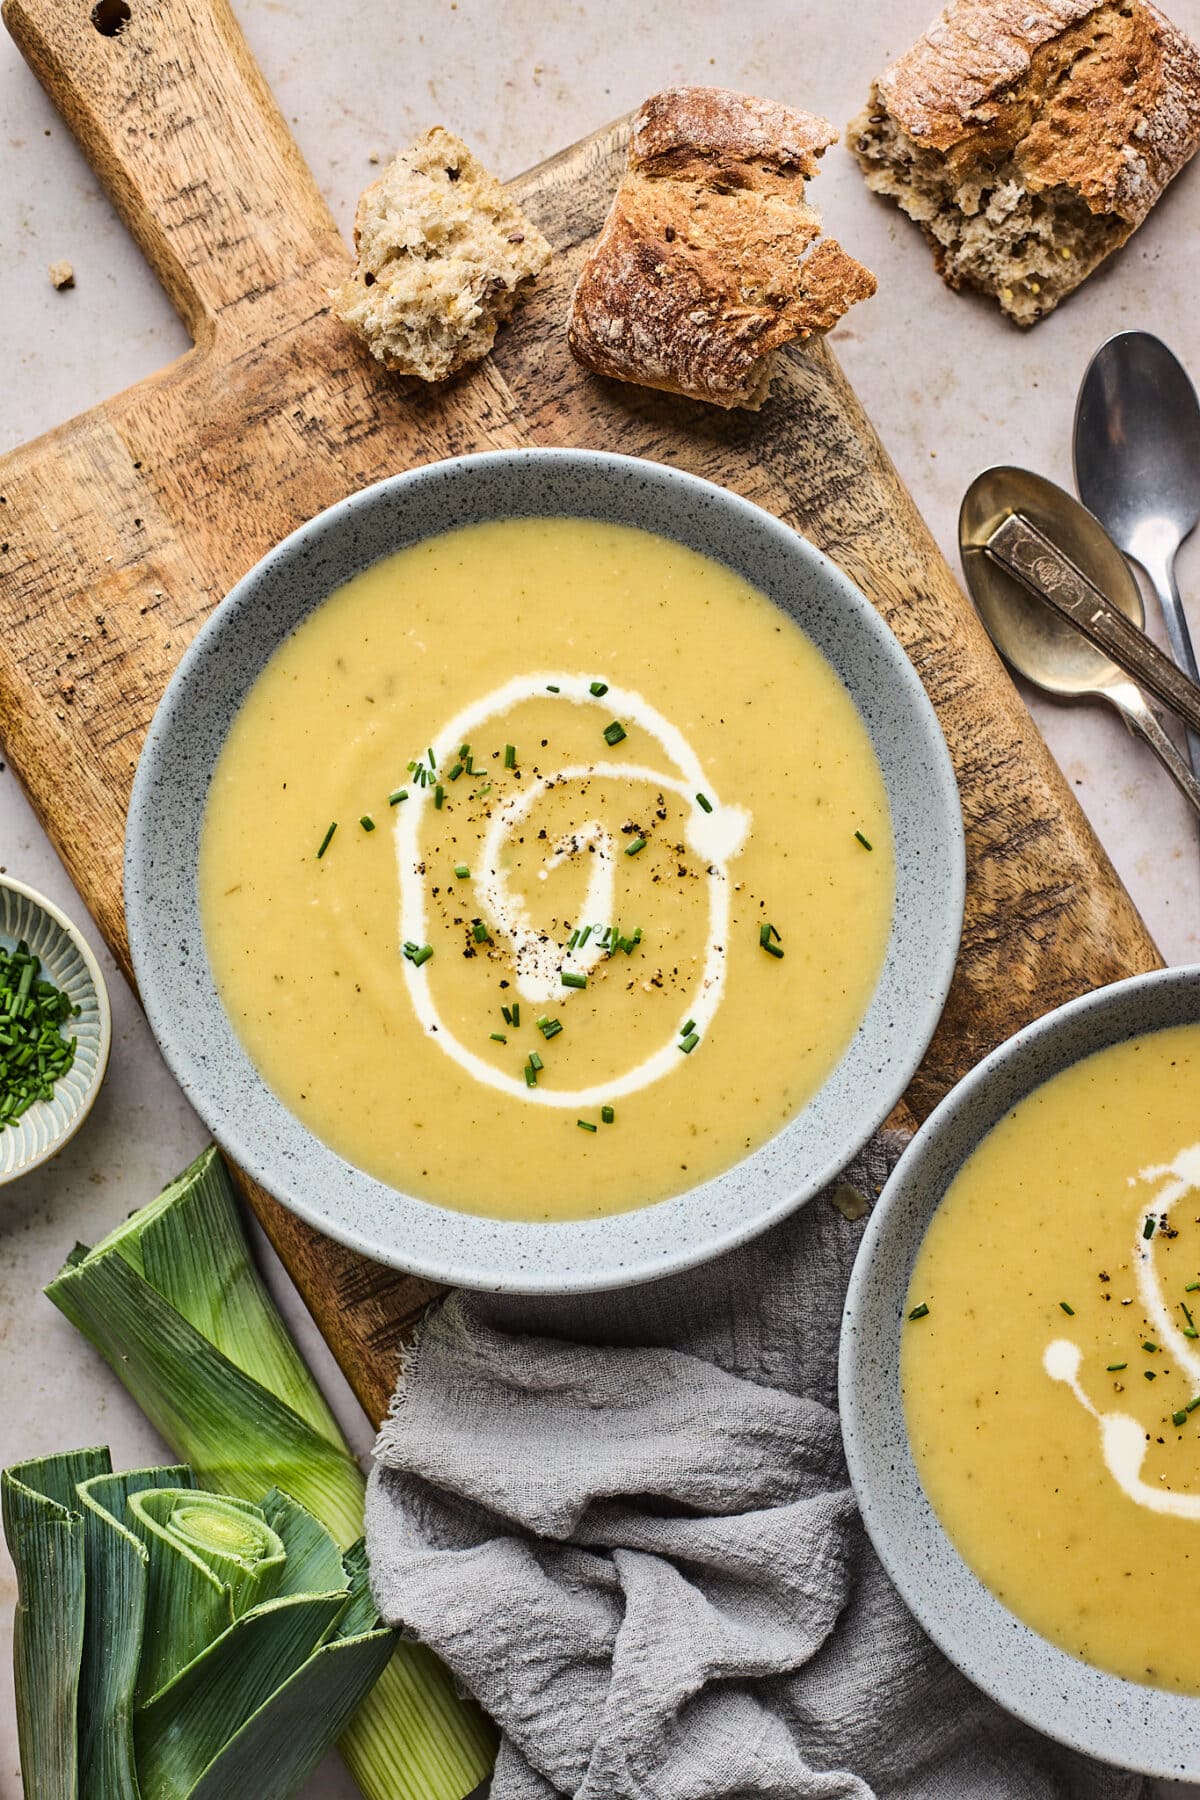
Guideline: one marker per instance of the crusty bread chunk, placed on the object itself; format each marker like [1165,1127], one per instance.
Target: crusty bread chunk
[1030,138]
[441,254]
[709,259]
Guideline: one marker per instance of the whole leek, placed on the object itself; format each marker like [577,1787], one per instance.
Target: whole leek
[172,1299]
[178,1645]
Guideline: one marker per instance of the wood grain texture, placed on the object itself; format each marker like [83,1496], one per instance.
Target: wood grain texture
[120,530]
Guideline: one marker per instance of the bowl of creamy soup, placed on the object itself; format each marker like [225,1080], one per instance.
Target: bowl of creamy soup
[1020,1374]
[544,870]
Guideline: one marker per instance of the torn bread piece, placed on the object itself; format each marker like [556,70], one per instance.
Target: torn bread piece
[709,260]
[442,253]
[1030,138]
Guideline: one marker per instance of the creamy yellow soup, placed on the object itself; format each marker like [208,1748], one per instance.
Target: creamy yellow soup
[611,880]
[1051,1387]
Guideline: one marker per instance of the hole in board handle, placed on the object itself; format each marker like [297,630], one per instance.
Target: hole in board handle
[110,17]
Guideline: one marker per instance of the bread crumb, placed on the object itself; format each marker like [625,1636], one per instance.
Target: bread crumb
[62,275]
[442,253]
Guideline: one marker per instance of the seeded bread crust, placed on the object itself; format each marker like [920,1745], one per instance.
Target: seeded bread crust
[442,254]
[709,261]
[1030,138]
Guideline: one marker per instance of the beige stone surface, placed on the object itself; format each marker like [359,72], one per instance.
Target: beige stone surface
[950,385]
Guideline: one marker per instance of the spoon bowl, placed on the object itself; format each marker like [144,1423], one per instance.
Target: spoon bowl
[1032,638]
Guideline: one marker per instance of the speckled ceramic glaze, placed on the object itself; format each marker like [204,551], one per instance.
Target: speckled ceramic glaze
[66,960]
[1119,1721]
[163,908]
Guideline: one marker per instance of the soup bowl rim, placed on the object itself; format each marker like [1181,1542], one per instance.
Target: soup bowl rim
[1129,1724]
[170,961]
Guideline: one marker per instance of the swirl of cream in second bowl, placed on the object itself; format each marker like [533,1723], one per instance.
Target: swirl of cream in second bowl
[715,836]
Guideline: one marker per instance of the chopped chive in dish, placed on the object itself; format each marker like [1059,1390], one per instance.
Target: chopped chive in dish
[510,756]
[397,795]
[1149,1374]
[1068,1309]
[367,822]
[326,840]
[535,1061]
[1180,1417]
[1114,1367]
[614,733]
[479,932]
[768,938]
[1147,1345]
[34,1054]
[607,1114]
[689,1043]
[598,689]
[550,688]
[439,794]
[570,980]
[585,1125]
[704,803]
[462,871]
[1148,1227]
[920,1312]
[516,1013]
[418,953]
[497,1037]
[865,842]
[455,772]
[638,844]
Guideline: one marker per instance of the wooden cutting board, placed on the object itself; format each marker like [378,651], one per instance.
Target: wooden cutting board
[121,530]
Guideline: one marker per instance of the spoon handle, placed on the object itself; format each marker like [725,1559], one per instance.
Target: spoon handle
[1162,580]
[1140,717]
[1047,572]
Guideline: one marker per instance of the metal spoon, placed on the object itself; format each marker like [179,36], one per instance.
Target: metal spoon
[1038,642]
[1137,467]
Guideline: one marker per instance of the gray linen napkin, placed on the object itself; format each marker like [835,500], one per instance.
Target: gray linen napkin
[625,1524]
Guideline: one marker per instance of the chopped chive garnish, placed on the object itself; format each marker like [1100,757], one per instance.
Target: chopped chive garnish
[530,1075]
[549,1027]
[1148,1227]
[485,789]
[1149,1374]
[516,1014]
[703,802]
[1193,1287]
[570,980]
[1113,1367]
[1180,1417]
[479,932]
[919,1312]
[535,1061]
[690,1026]
[432,758]
[462,871]
[506,1012]
[639,843]
[550,688]
[510,756]
[1147,1345]
[1187,1315]
[572,940]
[420,953]
[1192,1404]
[497,1037]
[1069,1310]
[585,1125]
[865,842]
[584,935]
[455,772]
[397,795]
[439,794]
[1189,1331]
[614,733]
[607,1114]
[689,1043]
[464,750]
[367,822]
[765,935]
[325,840]
[598,689]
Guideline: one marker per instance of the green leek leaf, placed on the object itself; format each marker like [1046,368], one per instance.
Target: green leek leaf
[116,1561]
[45,1535]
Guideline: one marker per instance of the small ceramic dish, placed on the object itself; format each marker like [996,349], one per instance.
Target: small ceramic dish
[1143,1728]
[171,790]
[43,1129]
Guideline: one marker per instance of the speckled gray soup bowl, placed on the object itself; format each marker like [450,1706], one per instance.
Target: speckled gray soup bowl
[171,790]
[1123,1722]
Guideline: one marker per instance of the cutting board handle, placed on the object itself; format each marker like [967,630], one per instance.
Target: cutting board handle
[170,109]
